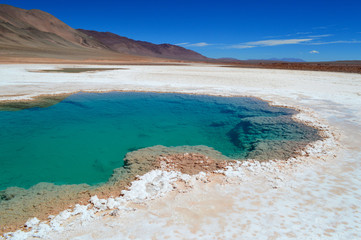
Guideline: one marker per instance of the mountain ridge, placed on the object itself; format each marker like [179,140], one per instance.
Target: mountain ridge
[142,48]
[37,33]
[35,27]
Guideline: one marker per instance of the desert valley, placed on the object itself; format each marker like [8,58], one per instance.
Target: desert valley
[106,137]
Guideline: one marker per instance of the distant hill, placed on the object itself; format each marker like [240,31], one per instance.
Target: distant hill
[35,33]
[228,60]
[235,60]
[276,60]
[286,59]
[125,45]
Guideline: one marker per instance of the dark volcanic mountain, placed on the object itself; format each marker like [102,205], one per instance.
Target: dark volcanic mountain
[34,33]
[125,45]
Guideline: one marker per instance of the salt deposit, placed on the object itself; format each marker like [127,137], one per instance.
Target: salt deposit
[313,196]
[151,185]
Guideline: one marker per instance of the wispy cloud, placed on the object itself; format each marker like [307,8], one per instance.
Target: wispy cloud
[273,42]
[297,34]
[288,35]
[314,52]
[334,42]
[200,44]
[321,36]
[240,46]
[181,44]
[309,40]
[188,44]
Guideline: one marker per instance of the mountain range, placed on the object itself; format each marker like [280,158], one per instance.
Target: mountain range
[35,33]
[269,60]
[35,36]
[140,48]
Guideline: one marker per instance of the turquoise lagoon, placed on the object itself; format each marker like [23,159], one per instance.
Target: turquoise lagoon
[84,137]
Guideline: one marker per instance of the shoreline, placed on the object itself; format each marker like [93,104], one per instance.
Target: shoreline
[124,180]
[288,170]
[229,172]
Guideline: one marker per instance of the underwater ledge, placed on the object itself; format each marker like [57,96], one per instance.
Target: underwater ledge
[122,178]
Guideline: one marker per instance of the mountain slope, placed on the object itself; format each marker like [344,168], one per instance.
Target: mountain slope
[35,33]
[125,45]
[37,28]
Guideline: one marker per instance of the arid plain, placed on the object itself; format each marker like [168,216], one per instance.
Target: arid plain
[314,195]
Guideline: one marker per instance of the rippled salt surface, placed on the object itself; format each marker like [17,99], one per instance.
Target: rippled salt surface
[84,137]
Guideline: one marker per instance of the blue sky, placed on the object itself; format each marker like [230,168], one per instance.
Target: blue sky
[312,30]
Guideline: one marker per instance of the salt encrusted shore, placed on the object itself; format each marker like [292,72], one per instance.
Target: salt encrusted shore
[157,183]
[313,196]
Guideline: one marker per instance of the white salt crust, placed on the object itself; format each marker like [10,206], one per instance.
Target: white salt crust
[313,196]
[151,185]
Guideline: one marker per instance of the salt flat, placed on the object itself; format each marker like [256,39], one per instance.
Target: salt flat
[316,196]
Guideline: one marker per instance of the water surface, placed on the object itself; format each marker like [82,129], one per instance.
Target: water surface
[84,137]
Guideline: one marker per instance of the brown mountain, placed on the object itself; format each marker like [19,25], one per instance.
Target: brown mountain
[125,45]
[35,28]
[37,34]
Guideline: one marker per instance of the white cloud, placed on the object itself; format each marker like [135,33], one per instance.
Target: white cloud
[321,36]
[241,46]
[188,44]
[289,35]
[180,44]
[200,44]
[311,40]
[314,52]
[274,42]
[334,42]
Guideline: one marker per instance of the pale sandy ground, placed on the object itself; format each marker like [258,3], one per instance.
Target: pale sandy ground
[317,199]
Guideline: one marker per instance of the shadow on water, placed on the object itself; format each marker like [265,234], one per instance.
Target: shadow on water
[43,101]
[78,104]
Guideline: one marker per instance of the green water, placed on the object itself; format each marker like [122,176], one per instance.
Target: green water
[84,137]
